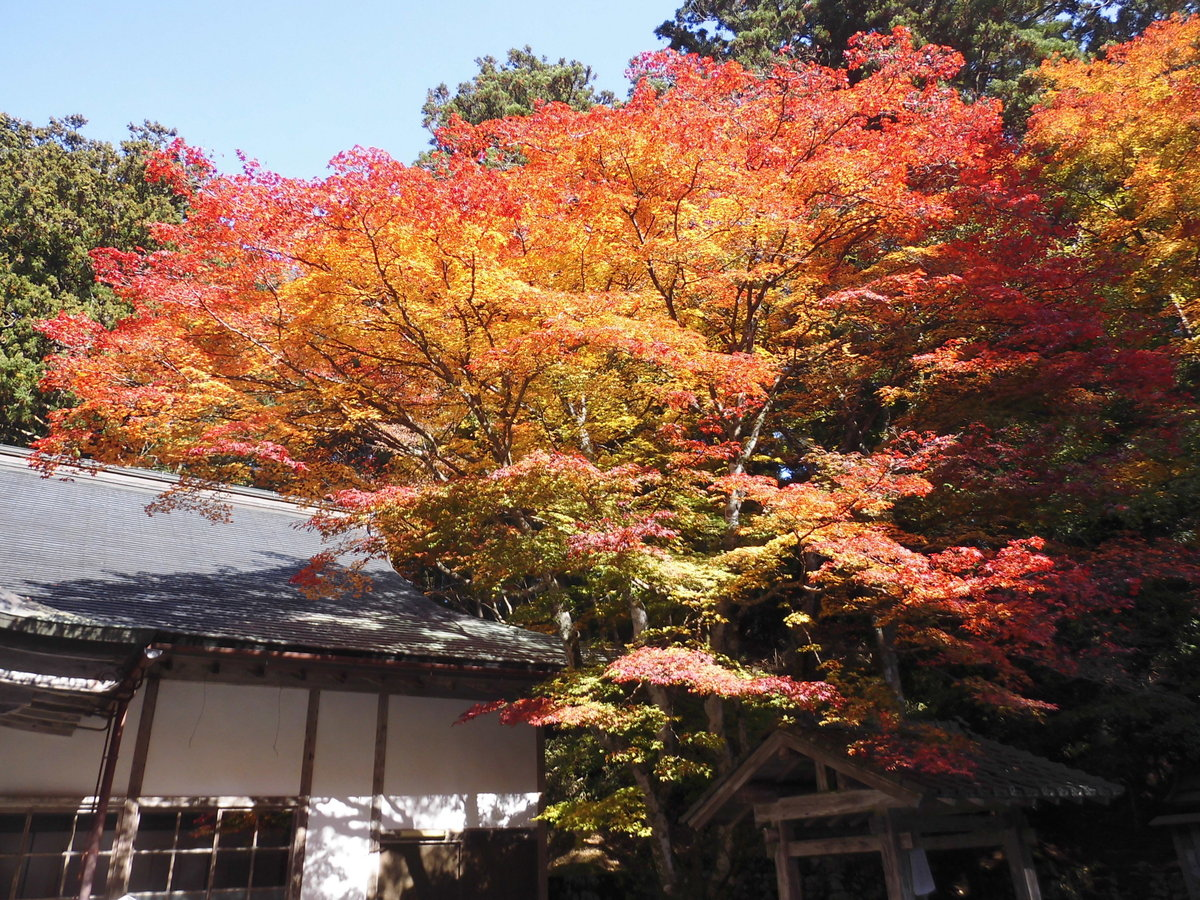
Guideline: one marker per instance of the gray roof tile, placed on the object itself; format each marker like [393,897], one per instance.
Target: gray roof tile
[84,551]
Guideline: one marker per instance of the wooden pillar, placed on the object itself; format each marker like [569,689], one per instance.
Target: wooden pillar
[896,870]
[121,862]
[1020,859]
[1187,849]
[304,810]
[822,774]
[787,867]
[543,847]
[112,749]
[381,727]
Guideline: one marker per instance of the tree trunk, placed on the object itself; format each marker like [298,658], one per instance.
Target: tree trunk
[660,827]
[889,663]
[566,633]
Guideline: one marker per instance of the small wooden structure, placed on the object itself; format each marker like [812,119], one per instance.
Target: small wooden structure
[812,798]
[1182,816]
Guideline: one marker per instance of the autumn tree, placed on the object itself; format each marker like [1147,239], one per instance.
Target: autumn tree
[774,395]
[1117,138]
[1000,42]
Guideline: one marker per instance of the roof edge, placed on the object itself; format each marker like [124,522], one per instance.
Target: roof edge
[155,482]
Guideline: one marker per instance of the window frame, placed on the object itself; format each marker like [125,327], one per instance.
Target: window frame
[119,844]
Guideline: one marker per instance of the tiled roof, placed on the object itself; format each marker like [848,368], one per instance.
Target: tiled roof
[995,775]
[83,551]
[996,772]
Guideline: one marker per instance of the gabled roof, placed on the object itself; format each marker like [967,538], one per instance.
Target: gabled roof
[1000,775]
[81,557]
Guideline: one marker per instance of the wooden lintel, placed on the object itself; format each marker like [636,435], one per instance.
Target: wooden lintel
[933,823]
[960,841]
[862,843]
[1190,818]
[37,725]
[829,803]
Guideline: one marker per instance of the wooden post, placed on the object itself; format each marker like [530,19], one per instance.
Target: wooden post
[896,871]
[125,693]
[1020,859]
[92,855]
[822,776]
[381,728]
[543,847]
[304,810]
[121,863]
[1187,849]
[787,867]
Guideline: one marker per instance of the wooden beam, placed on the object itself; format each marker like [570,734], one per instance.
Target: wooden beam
[709,805]
[822,775]
[707,808]
[1187,850]
[855,843]
[897,872]
[381,730]
[934,823]
[787,867]
[1020,860]
[844,767]
[304,810]
[112,751]
[830,803]
[1177,819]
[962,841]
[121,863]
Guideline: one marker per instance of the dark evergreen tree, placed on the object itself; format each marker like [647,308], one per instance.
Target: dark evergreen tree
[513,88]
[61,195]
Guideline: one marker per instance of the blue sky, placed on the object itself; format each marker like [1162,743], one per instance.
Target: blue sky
[290,83]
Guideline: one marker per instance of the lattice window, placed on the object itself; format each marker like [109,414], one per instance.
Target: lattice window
[208,854]
[41,853]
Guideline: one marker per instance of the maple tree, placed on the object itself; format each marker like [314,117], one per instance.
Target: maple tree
[1116,137]
[774,395]
[1002,42]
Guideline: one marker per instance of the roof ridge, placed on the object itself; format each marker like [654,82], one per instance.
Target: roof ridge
[158,482]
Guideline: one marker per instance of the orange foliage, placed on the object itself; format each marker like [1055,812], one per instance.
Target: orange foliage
[1118,138]
[678,360]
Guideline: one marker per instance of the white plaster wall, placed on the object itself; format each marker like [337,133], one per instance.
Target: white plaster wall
[442,775]
[437,776]
[345,757]
[225,740]
[338,862]
[236,740]
[48,765]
